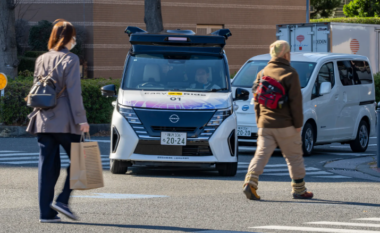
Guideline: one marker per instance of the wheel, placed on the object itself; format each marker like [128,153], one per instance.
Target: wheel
[118,167]
[308,139]
[361,141]
[227,169]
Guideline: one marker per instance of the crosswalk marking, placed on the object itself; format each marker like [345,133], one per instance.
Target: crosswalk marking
[307,173]
[334,177]
[368,219]
[346,224]
[286,169]
[8,151]
[314,229]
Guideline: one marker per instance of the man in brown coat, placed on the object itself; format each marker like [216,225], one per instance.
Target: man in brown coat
[280,127]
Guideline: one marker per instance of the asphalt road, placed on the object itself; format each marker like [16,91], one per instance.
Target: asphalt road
[180,200]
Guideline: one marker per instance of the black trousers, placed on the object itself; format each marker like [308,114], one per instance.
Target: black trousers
[49,167]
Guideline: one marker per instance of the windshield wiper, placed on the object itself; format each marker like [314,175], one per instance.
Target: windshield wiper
[216,90]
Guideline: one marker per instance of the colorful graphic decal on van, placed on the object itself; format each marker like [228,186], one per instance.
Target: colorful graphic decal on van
[178,104]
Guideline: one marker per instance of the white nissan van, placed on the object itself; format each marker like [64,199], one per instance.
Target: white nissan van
[175,105]
[338,99]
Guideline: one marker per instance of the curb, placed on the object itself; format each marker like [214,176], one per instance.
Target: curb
[20,131]
[358,164]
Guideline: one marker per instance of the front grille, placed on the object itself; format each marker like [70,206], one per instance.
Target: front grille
[174,129]
[189,150]
[252,137]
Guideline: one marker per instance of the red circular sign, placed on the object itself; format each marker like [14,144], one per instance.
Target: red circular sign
[354,45]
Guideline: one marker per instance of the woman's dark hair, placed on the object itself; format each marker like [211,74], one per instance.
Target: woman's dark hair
[62,33]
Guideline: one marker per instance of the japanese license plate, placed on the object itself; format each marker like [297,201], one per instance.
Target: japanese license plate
[173,138]
[244,131]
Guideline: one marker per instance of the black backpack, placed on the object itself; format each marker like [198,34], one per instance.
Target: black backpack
[42,95]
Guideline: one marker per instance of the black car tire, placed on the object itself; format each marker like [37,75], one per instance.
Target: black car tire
[118,167]
[361,141]
[227,169]
[308,139]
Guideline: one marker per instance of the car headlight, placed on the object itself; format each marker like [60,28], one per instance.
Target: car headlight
[128,114]
[219,117]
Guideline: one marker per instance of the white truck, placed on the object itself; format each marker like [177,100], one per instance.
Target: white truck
[360,39]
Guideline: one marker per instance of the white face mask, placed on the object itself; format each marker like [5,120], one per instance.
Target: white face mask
[73,44]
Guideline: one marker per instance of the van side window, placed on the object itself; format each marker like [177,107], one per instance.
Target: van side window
[354,72]
[326,74]
[363,72]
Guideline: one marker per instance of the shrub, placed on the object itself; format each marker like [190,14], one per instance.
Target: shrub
[39,35]
[34,54]
[364,20]
[377,86]
[26,63]
[99,109]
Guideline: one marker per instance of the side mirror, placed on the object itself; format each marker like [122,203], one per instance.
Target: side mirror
[241,94]
[114,103]
[325,88]
[108,91]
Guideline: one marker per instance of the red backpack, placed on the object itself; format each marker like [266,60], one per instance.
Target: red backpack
[269,92]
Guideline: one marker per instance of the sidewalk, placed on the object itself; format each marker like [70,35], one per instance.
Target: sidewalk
[362,167]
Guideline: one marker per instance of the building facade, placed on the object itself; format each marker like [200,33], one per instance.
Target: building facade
[252,23]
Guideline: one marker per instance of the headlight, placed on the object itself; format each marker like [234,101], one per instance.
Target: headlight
[219,117]
[128,114]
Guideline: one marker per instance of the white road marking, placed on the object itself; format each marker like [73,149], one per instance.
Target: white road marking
[105,141]
[307,173]
[18,154]
[121,196]
[314,229]
[368,219]
[352,224]
[8,151]
[350,154]
[63,161]
[333,177]
[286,169]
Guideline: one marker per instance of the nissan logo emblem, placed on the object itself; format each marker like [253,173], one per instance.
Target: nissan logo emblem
[174,118]
[245,108]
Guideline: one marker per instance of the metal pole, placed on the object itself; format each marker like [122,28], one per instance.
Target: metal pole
[378,134]
[1,109]
[307,11]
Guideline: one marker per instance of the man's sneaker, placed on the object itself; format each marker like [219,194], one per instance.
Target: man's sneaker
[250,192]
[52,220]
[306,195]
[63,209]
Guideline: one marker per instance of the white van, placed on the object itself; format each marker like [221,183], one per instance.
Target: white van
[338,99]
[175,105]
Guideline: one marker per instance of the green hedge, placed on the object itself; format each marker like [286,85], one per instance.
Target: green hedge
[361,20]
[34,54]
[99,109]
[377,86]
[26,63]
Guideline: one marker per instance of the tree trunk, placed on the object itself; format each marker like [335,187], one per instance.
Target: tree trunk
[8,46]
[153,16]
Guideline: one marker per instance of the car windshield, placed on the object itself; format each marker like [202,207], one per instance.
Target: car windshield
[248,74]
[175,73]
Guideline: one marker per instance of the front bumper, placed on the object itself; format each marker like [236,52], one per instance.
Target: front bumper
[216,149]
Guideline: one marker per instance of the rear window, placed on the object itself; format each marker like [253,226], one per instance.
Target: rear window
[248,74]
[354,72]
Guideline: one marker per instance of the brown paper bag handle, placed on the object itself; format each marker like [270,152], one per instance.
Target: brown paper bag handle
[83,137]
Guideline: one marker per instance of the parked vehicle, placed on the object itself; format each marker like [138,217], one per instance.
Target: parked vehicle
[338,99]
[360,39]
[174,106]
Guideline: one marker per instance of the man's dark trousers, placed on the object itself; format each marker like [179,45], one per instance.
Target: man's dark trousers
[49,168]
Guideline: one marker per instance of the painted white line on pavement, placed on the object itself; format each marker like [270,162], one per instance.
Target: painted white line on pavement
[368,219]
[8,151]
[17,154]
[345,224]
[307,173]
[334,177]
[36,157]
[63,161]
[105,141]
[350,154]
[121,196]
[286,169]
[314,229]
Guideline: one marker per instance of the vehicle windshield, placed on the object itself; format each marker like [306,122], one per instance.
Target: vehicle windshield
[175,73]
[248,74]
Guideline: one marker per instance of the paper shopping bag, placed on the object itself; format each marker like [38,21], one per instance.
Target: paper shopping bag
[86,166]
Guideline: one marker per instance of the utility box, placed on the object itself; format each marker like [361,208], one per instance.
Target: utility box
[361,39]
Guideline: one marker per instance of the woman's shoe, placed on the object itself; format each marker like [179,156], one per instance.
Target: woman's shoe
[250,192]
[52,220]
[306,195]
[64,209]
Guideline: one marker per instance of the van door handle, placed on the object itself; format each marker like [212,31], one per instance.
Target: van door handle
[336,96]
